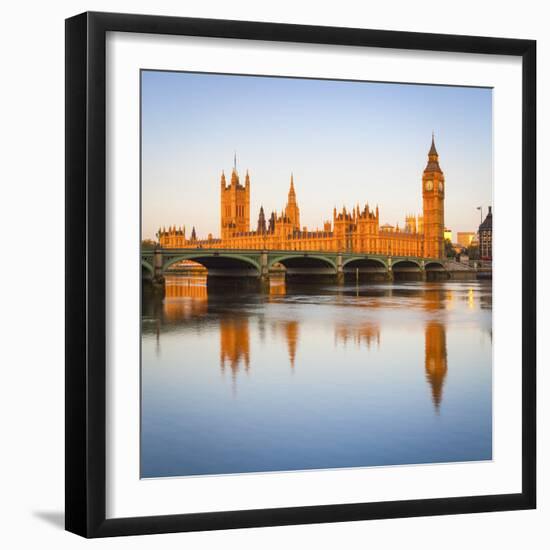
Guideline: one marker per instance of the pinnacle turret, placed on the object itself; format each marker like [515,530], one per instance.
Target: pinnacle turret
[272,219]
[291,191]
[433,150]
[433,158]
[234,178]
[261,221]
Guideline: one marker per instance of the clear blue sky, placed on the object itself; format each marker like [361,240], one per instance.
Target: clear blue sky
[345,142]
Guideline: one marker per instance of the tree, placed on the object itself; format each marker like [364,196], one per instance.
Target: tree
[473,252]
[449,249]
[147,244]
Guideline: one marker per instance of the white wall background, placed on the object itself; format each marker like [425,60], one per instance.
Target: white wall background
[31,278]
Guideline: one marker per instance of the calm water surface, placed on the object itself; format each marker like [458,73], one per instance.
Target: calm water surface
[325,376]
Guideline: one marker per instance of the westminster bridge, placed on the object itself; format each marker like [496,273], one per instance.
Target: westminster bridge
[158,262]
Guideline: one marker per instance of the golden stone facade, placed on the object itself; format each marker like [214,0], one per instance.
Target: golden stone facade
[356,230]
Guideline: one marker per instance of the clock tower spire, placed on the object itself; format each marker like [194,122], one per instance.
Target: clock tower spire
[433,198]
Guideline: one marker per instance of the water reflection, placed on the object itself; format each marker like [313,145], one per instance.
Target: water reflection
[186,302]
[234,345]
[291,336]
[366,334]
[380,359]
[186,298]
[277,286]
[435,346]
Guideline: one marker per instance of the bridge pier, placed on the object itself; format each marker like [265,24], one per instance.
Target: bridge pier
[158,276]
[339,268]
[389,276]
[423,274]
[264,267]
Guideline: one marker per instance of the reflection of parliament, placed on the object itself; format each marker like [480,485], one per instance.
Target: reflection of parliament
[357,230]
[235,340]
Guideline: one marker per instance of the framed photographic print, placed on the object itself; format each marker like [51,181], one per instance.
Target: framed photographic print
[300,274]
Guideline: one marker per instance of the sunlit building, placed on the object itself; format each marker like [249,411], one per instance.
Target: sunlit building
[486,237]
[465,238]
[352,230]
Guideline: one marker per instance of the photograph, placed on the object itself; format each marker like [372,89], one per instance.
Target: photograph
[316,274]
[292,294]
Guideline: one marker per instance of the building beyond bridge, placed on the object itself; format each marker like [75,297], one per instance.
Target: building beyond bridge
[486,237]
[357,230]
[465,238]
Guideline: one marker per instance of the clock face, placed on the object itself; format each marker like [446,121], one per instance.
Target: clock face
[441,186]
[429,185]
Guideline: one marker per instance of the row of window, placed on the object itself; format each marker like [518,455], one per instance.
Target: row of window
[240,211]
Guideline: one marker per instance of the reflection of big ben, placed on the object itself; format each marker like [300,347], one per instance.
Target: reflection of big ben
[436,359]
[291,333]
[433,196]
[234,344]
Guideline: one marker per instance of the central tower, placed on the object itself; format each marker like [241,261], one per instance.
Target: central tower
[292,212]
[234,204]
[433,198]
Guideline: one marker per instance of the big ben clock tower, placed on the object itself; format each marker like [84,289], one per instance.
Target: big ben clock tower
[433,195]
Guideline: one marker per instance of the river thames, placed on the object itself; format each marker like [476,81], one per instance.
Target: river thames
[297,377]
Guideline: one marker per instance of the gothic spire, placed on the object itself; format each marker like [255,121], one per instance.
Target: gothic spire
[291,192]
[433,159]
[234,178]
[271,228]
[235,181]
[433,150]
[261,221]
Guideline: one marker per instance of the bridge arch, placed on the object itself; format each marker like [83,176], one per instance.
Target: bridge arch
[405,269]
[434,265]
[436,270]
[303,260]
[148,267]
[214,262]
[405,263]
[360,261]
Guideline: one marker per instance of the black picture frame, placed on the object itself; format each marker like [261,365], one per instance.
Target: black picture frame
[86,280]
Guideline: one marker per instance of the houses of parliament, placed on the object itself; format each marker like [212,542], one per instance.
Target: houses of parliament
[356,230]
